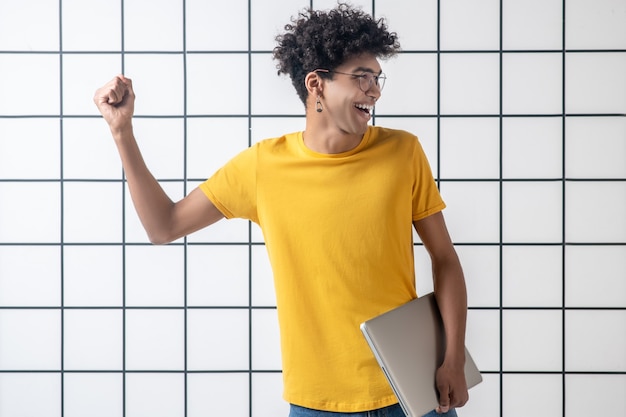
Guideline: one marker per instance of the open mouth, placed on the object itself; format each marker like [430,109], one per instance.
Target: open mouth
[365,108]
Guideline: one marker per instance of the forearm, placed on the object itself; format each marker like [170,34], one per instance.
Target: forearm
[163,220]
[152,204]
[451,297]
[452,301]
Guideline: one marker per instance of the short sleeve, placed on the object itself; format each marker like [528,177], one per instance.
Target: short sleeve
[232,188]
[426,197]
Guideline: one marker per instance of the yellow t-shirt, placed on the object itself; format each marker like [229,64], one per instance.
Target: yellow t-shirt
[338,230]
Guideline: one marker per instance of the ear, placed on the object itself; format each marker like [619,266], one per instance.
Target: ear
[314,84]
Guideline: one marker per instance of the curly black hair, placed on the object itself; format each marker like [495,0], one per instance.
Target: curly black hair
[326,39]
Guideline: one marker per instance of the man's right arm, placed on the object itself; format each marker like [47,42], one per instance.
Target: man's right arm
[163,220]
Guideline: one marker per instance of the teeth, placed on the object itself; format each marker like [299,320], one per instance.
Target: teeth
[364,106]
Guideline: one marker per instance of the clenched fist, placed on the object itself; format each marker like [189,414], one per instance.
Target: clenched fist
[116,102]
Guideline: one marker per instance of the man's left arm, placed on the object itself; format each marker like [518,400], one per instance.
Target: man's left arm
[451,297]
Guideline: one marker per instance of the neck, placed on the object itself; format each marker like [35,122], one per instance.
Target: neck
[329,142]
[324,137]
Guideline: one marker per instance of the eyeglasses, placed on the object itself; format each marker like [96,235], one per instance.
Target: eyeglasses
[366,79]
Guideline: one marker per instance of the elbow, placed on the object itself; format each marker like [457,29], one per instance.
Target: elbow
[158,241]
[160,237]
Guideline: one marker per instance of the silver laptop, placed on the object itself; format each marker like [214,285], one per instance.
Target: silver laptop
[408,343]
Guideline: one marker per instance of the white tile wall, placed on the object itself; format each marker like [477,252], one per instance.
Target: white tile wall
[532,395]
[81,399]
[520,107]
[545,32]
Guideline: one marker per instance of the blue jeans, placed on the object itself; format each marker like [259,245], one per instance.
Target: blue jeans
[391,411]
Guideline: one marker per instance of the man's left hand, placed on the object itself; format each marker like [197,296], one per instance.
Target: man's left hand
[452,388]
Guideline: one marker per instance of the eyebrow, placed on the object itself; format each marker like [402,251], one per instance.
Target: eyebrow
[366,69]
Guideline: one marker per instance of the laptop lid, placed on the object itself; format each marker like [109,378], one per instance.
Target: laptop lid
[408,343]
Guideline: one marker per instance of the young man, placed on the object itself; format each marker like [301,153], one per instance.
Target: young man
[336,203]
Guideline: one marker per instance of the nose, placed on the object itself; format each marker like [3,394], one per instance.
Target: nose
[374,91]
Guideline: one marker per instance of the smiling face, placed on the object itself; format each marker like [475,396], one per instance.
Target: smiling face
[347,107]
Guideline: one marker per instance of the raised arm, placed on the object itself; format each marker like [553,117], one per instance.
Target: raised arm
[451,297]
[163,219]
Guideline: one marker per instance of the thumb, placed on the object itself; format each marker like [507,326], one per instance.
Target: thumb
[444,400]
[112,98]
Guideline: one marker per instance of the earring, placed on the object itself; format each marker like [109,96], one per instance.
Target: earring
[318,105]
